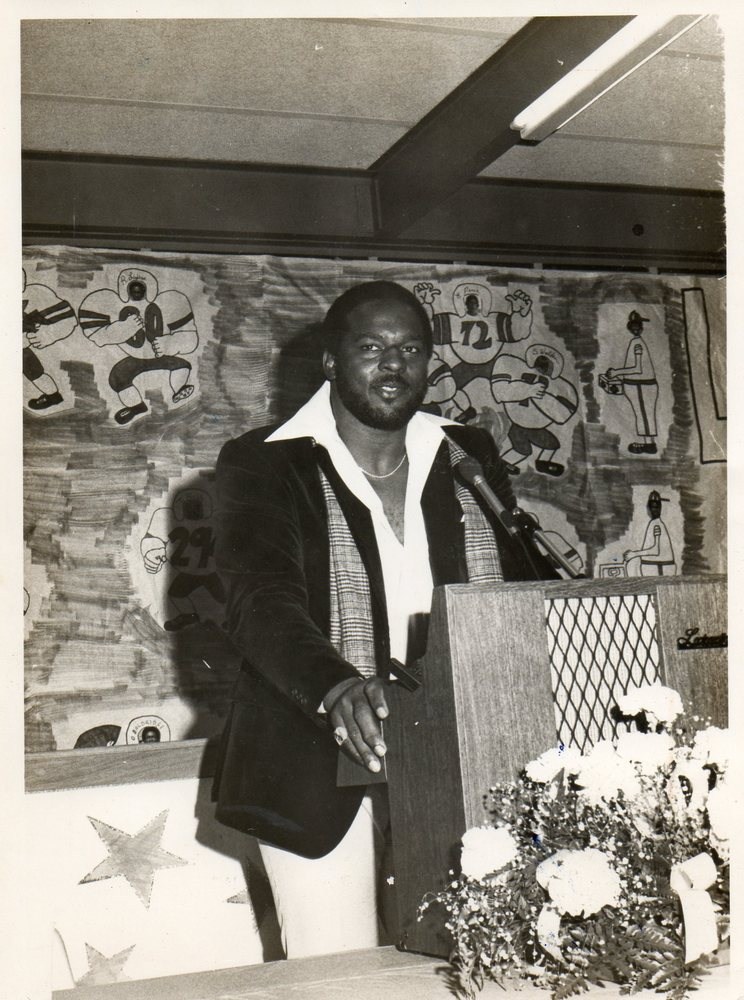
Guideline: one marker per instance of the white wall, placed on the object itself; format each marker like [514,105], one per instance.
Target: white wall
[187,924]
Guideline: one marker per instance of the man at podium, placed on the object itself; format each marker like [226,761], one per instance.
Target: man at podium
[332,531]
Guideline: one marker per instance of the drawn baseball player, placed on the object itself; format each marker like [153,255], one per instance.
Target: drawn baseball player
[534,397]
[47,319]
[183,537]
[636,380]
[153,330]
[656,555]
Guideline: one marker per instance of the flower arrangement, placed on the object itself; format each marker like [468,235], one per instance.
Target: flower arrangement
[607,866]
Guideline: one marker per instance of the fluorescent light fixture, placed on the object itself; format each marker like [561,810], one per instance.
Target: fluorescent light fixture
[631,47]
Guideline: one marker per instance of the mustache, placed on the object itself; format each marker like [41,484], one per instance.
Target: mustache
[396,380]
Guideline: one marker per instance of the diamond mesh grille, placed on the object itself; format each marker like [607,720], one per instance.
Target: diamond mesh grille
[598,647]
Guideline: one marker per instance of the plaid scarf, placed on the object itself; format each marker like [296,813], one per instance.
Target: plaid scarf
[351,602]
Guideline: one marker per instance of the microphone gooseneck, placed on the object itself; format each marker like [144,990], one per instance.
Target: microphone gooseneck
[471,471]
[517,522]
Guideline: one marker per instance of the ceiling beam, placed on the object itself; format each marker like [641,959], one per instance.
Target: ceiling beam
[470,128]
[230,208]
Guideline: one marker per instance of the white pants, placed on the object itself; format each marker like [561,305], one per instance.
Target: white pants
[327,904]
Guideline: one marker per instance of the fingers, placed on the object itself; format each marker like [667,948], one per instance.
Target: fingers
[366,740]
[350,740]
[375,691]
[357,711]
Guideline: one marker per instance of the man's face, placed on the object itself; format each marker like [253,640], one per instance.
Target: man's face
[472,305]
[379,370]
[136,290]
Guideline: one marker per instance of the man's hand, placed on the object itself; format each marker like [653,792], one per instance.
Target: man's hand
[355,707]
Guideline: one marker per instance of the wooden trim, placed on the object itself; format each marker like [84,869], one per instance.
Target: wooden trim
[591,587]
[382,972]
[124,765]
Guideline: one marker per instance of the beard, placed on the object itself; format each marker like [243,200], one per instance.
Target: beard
[373,410]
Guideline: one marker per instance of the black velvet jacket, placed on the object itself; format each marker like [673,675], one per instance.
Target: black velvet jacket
[276,776]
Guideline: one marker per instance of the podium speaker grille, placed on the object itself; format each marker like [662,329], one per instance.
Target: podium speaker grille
[598,647]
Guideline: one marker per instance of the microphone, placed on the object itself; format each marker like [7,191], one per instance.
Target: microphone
[471,471]
[516,521]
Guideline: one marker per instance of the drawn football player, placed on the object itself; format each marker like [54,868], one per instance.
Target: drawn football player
[153,330]
[183,537]
[443,389]
[534,397]
[47,319]
[468,341]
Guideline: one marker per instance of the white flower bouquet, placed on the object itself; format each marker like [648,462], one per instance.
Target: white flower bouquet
[610,866]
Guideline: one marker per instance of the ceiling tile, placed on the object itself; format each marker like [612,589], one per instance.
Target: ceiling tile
[706,38]
[311,66]
[505,26]
[670,98]
[594,161]
[116,130]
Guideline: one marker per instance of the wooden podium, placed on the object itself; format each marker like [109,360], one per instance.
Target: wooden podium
[511,670]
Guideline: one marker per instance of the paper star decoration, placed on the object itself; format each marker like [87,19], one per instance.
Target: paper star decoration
[102,970]
[134,856]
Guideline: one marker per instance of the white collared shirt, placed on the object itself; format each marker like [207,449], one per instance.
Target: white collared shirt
[405,567]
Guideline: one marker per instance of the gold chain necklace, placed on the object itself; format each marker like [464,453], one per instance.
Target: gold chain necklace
[387,475]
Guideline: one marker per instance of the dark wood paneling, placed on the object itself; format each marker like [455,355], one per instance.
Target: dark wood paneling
[153,196]
[203,207]
[563,222]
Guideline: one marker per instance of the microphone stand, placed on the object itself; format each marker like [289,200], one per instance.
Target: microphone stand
[529,524]
[516,521]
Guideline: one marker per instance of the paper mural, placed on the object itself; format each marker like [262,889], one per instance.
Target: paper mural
[180,585]
[47,320]
[605,394]
[153,330]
